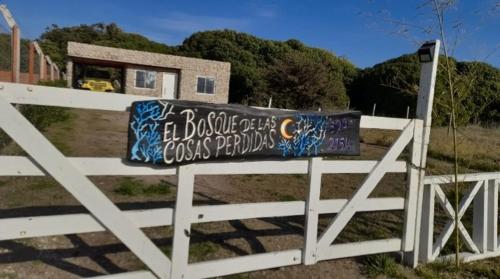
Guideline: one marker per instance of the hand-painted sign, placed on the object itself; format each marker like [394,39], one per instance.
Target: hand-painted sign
[177,132]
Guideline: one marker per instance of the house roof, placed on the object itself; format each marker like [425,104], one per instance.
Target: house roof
[126,56]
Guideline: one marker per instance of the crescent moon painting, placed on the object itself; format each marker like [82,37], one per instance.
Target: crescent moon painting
[283,131]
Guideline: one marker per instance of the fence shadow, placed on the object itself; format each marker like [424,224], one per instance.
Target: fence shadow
[58,257]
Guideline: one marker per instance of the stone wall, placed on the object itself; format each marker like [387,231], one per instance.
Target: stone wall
[188,68]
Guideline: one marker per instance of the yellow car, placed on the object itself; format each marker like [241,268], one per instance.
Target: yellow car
[96,80]
[96,85]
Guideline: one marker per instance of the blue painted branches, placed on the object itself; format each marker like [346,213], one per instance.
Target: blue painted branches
[309,134]
[148,141]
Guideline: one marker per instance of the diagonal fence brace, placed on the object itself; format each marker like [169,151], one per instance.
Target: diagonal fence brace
[351,207]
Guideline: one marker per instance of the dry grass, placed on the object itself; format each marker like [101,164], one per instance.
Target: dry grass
[478,148]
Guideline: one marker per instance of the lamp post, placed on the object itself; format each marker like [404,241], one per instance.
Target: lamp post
[426,52]
[428,55]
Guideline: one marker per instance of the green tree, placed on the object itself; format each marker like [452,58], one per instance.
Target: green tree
[297,81]
[393,85]
[256,66]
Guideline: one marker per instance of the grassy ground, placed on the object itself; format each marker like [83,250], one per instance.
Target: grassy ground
[96,133]
[385,266]
[478,148]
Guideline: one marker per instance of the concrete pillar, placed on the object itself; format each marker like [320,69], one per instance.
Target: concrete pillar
[42,66]
[50,68]
[69,73]
[51,71]
[16,53]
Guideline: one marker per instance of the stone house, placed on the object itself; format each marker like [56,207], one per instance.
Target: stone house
[158,75]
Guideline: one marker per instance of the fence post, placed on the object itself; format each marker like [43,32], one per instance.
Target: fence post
[309,256]
[31,64]
[42,67]
[69,73]
[492,236]
[15,43]
[425,100]
[41,61]
[50,64]
[16,54]
[182,221]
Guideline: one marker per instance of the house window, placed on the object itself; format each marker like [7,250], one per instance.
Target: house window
[205,85]
[145,79]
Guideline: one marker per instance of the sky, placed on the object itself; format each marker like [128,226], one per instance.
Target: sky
[366,32]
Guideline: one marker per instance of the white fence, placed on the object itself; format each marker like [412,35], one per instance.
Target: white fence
[482,194]
[71,173]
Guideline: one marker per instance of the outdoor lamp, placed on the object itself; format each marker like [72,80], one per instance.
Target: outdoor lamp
[426,51]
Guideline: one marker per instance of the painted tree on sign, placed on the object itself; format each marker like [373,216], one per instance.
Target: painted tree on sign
[148,145]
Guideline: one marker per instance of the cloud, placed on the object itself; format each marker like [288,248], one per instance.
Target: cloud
[186,23]
[267,12]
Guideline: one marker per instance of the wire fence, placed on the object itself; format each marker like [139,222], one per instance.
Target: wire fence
[5,48]
[21,59]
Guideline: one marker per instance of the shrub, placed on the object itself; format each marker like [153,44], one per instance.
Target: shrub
[53,83]
[40,116]
[382,264]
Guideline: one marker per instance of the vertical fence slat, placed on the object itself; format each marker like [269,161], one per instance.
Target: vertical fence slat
[427,224]
[182,222]
[410,222]
[492,214]
[312,210]
[480,218]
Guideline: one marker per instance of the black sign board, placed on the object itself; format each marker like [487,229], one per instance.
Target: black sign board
[176,132]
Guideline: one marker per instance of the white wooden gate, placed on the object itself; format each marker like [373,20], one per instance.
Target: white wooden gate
[483,196]
[71,173]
